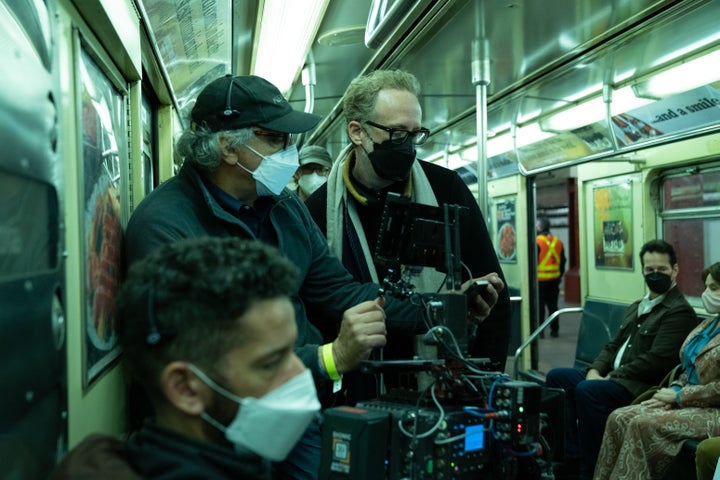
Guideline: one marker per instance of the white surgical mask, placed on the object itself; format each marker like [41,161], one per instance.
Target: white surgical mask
[271,425]
[711,302]
[311,182]
[274,172]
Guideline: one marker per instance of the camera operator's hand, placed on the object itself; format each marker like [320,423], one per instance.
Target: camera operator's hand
[480,306]
[362,329]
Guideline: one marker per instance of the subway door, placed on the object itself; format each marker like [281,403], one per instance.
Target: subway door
[32,327]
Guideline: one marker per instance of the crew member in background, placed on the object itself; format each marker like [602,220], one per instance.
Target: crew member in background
[315,163]
[384,125]
[551,266]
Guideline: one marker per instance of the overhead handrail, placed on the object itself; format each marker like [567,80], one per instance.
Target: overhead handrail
[536,333]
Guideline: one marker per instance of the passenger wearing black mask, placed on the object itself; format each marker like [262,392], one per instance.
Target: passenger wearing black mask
[643,351]
[384,126]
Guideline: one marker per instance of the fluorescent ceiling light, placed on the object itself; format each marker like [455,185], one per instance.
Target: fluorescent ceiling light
[575,117]
[458,160]
[625,100]
[585,92]
[499,144]
[686,76]
[527,117]
[287,29]
[530,134]
[593,111]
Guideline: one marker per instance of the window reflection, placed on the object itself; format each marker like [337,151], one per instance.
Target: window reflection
[698,190]
[697,246]
[691,222]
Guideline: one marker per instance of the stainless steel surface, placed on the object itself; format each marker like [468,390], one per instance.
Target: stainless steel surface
[544,55]
[536,333]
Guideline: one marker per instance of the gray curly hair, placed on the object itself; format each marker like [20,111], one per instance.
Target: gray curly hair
[201,147]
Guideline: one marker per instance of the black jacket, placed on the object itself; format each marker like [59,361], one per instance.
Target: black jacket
[160,454]
[154,453]
[655,339]
[477,250]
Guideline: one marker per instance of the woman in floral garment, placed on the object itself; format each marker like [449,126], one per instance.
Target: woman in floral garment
[641,440]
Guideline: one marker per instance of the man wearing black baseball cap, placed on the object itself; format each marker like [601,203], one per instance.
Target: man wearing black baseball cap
[237,157]
[232,103]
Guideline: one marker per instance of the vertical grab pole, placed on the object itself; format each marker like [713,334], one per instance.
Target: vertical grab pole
[480,68]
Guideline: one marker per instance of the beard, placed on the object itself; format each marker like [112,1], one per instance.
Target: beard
[223,411]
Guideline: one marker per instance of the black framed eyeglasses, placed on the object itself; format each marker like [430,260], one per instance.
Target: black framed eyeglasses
[400,135]
[274,138]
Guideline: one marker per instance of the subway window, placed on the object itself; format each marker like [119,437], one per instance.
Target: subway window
[690,220]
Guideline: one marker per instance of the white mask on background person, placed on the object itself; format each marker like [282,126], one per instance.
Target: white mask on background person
[311,182]
[711,302]
[274,172]
[271,425]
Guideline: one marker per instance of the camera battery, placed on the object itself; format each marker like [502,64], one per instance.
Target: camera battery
[354,444]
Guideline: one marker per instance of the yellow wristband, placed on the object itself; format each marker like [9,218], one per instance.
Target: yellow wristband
[329,360]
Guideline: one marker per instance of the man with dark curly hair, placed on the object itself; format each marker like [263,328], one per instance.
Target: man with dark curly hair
[208,331]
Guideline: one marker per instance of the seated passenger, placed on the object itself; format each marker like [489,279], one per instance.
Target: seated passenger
[208,330]
[641,440]
[643,351]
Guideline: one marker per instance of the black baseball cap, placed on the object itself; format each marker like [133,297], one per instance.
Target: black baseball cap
[231,103]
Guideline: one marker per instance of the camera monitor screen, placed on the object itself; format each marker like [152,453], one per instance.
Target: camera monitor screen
[412,234]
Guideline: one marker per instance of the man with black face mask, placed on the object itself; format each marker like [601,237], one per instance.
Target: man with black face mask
[643,351]
[384,125]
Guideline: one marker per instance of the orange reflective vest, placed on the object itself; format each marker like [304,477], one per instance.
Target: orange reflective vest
[549,257]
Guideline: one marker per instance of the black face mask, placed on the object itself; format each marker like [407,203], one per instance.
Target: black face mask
[392,161]
[658,282]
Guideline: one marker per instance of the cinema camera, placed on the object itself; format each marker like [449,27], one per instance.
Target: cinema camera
[460,421]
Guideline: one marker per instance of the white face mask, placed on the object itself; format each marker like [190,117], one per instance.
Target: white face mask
[271,425]
[311,182]
[274,172]
[711,302]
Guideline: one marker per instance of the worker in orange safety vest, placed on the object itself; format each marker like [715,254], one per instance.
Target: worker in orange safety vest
[551,266]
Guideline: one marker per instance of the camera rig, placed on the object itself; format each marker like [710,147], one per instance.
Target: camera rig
[460,420]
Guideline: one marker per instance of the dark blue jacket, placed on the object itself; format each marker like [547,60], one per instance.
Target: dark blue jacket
[492,337]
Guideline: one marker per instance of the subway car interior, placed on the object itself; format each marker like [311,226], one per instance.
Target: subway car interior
[601,115]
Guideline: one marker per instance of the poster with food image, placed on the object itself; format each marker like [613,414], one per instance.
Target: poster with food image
[505,241]
[102,111]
